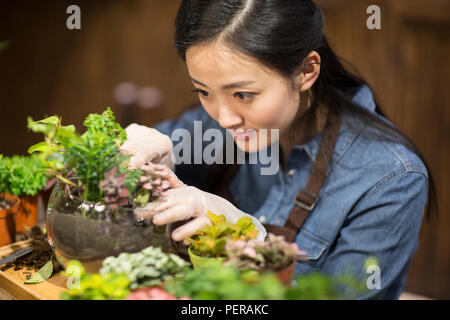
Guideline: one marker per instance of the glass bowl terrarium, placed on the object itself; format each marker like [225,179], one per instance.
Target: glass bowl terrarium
[91,212]
[89,232]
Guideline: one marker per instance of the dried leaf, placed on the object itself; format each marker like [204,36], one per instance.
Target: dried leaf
[43,274]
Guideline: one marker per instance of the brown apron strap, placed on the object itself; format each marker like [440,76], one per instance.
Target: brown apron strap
[307,198]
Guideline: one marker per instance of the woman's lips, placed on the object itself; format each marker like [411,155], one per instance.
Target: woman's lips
[241,135]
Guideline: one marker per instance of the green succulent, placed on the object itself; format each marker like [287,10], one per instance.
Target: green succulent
[146,268]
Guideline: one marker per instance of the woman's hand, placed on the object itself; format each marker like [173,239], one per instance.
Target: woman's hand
[147,145]
[186,202]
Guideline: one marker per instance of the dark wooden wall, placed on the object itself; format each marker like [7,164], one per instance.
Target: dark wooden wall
[50,70]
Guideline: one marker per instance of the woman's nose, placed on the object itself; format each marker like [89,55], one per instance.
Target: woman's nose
[227,118]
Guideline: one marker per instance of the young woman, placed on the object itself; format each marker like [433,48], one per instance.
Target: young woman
[350,186]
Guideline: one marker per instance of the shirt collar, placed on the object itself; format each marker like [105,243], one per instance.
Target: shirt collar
[347,135]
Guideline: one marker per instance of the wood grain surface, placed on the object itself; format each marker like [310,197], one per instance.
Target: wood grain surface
[12,282]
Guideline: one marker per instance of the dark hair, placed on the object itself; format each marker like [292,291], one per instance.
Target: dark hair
[281,34]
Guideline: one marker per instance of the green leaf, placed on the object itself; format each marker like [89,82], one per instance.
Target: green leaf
[43,274]
[54,120]
[66,180]
[39,147]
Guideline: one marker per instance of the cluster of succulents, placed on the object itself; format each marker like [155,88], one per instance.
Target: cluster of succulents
[114,191]
[148,267]
[273,254]
[154,181]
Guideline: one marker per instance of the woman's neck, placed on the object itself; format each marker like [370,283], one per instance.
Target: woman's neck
[298,136]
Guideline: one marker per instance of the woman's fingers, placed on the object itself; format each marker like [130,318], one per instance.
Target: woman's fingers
[175,213]
[190,228]
[154,207]
[169,200]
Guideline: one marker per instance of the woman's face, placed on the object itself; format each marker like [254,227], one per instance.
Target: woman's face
[241,94]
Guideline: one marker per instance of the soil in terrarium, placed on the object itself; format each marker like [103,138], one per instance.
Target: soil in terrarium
[87,239]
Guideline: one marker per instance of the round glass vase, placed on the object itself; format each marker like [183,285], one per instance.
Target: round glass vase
[89,232]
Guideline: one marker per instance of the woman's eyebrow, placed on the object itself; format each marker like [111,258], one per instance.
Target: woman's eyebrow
[227,86]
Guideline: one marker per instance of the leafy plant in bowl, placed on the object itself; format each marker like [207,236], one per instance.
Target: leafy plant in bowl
[208,244]
[91,212]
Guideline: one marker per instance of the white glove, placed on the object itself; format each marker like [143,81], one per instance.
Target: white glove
[147,145]
[185,202]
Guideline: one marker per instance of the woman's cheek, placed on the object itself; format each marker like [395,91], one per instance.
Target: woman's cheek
[272,114]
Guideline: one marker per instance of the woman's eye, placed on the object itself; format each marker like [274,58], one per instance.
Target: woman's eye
[243,95]
[201,92]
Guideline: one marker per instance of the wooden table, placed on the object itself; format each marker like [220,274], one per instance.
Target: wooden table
[11,281]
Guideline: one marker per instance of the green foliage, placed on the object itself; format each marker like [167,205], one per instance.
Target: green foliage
[318,286]
[92,162]
[21,175]
[228,283]
[147,268]
[104,125]
[96,152]
[225,283]
[58,138]
[27,175]
[211,240]
[86,286]
[87,156]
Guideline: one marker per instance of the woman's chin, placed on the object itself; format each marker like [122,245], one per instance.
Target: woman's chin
[250,146]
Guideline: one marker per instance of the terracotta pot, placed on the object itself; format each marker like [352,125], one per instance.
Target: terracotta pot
[8,221]
[204,262]
[285,275]
[27,215]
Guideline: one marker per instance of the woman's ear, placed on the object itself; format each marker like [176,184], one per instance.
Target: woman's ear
[309,72]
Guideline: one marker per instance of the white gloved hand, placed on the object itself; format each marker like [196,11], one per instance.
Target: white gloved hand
[185,202]
[147,145]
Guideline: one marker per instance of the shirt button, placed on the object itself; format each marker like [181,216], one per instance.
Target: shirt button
[291,172]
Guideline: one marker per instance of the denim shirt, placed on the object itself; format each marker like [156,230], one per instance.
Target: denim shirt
[370,205]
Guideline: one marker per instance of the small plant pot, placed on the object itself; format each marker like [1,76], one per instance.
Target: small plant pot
[8,221]
[27,214]
[285,275]
[204,262]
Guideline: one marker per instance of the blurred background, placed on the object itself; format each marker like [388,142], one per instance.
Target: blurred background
[123,57]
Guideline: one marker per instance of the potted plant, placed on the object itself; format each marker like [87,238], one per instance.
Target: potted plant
[91,212]
[142,275]
[207,246]
[225,283]
[26,178]
[9,205]
[272,255]
[230,283]
[147,268]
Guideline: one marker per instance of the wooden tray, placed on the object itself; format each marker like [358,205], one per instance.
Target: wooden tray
[11,282]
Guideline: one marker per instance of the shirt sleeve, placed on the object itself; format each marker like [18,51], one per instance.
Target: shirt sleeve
[385,224]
